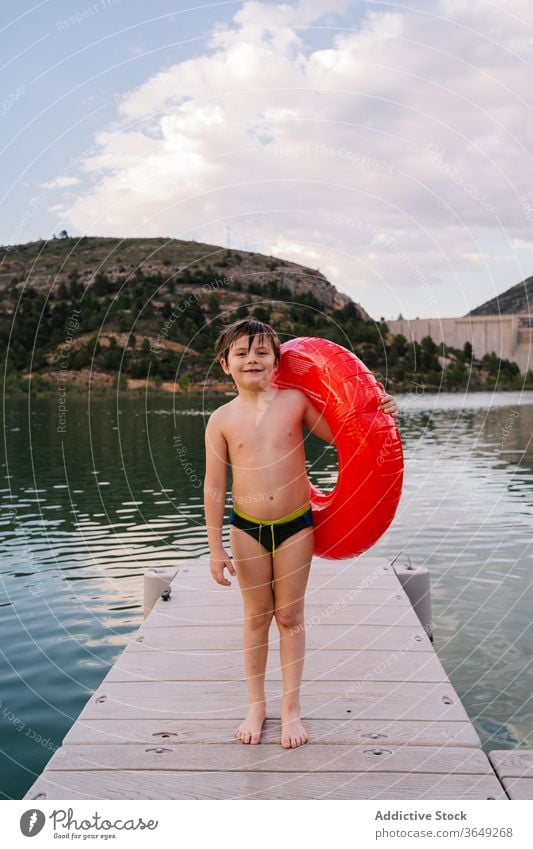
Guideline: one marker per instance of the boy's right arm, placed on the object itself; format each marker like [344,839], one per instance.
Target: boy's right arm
[216,466]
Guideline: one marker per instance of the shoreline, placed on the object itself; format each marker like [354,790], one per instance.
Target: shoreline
[221,390]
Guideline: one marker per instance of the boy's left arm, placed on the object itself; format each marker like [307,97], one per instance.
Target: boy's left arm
[314,420]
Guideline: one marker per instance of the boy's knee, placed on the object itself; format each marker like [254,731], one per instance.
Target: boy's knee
[289,617]
[258,618]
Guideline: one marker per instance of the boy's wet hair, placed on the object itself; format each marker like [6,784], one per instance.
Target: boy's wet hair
[251,328]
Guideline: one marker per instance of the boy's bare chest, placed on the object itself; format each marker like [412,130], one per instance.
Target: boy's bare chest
[262,435]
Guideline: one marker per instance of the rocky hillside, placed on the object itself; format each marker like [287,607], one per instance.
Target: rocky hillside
[139,308]
[47,264]
[517,299]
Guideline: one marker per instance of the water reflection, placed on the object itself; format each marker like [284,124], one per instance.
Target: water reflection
[83,514]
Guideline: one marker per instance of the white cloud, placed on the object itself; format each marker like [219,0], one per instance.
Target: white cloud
[61,182]
[394,157]
[269,16]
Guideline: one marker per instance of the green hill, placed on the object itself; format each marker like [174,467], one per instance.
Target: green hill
[152,307]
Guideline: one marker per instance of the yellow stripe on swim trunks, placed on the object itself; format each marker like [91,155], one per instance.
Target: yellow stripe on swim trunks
[295,515]
[289,518]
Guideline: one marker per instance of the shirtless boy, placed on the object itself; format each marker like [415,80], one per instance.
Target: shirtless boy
[260,434]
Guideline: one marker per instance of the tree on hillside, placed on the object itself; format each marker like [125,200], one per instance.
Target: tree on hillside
[213,304]
[428,354]
[113,356]
[262,314]
[398,347]
[75,287]
[496,366]
[102,285]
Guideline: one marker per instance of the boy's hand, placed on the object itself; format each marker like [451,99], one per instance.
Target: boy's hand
[220,561]
[387,403]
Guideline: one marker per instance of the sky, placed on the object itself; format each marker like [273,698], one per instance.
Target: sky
[387,144]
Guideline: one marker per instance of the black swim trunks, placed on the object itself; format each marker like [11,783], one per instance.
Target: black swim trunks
[272,534]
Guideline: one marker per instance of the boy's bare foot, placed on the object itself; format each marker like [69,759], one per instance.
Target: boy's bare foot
[249,731]
[293,733]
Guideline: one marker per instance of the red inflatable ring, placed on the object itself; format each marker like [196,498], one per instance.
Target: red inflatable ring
[349,519]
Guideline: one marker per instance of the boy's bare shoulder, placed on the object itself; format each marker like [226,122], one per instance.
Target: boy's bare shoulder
[294,396]
[221,414]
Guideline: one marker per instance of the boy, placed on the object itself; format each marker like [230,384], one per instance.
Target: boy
[260,434]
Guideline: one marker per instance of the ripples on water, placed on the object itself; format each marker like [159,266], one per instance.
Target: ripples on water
[84,513]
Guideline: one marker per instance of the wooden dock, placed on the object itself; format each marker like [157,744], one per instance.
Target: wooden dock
[383,719]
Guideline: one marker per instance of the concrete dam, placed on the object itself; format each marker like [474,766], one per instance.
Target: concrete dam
[508,336]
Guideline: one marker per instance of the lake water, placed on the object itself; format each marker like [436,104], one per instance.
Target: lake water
[84,512]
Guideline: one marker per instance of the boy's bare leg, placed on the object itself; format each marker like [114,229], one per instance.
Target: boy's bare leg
[254,574]
[291,571]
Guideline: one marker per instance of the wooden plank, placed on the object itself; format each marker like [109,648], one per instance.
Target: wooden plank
[325,664]
[351,562]
[199,570]
[322,636]
[376,579]
[312,757]
[519,788]
[208,597]
[172,613]
[200,565]
[382,583]
[123,784]
[324,731]
[512,763]
[320,699]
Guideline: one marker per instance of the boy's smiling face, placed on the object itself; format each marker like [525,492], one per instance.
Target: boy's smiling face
[250,365]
